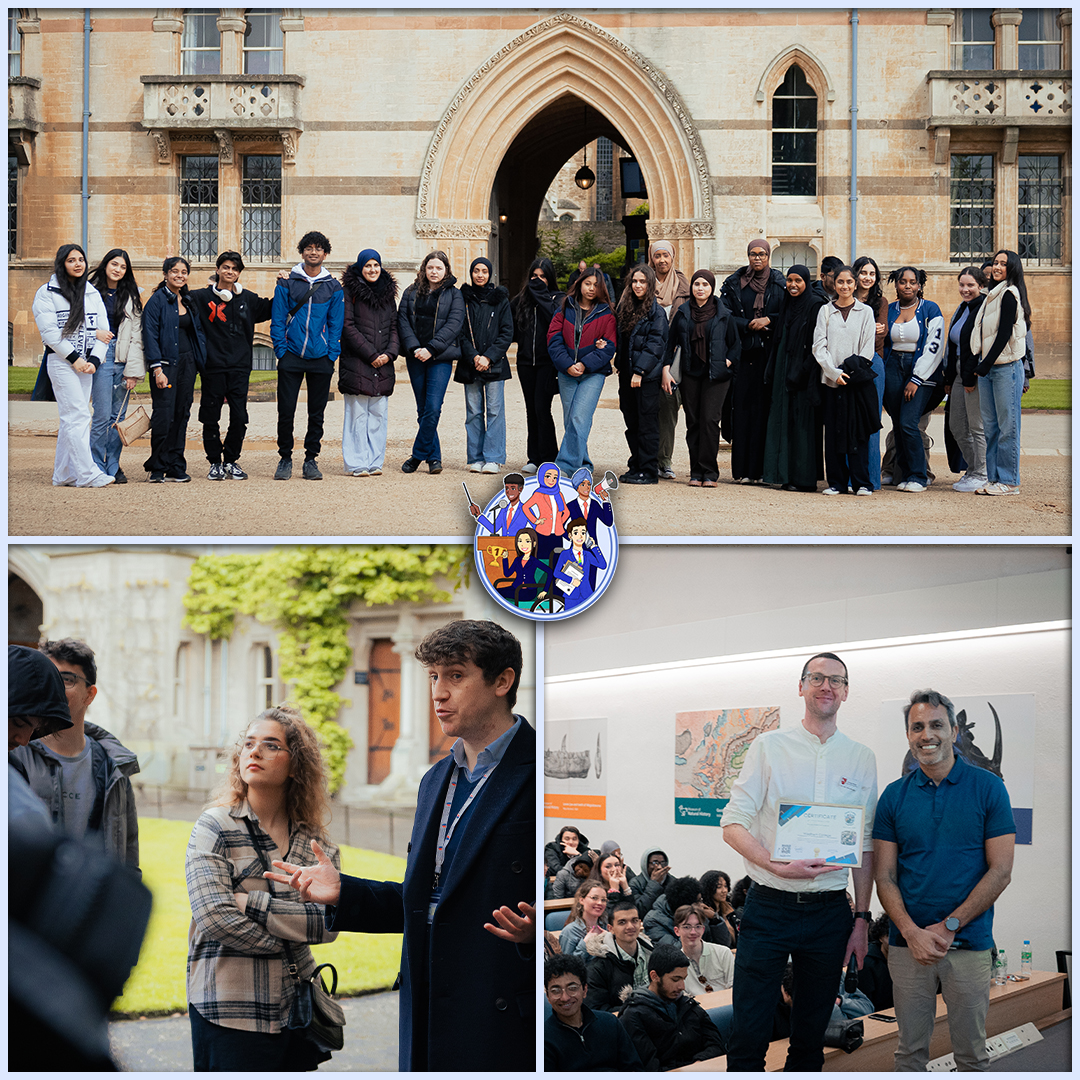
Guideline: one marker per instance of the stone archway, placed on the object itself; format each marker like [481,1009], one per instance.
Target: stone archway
[559,56]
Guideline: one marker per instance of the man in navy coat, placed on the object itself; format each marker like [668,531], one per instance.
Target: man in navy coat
[466,906]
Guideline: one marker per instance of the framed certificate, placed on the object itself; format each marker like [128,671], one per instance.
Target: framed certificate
[821,831]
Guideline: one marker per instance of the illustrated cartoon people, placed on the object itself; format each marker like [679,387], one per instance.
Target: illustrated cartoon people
[595,509]
[509,519]
[572,570]
[546,510]
[526,573]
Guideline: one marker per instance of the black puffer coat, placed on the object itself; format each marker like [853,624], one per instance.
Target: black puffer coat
[488,331]
[647,344]
[724,341]
[445,343]
[370,329]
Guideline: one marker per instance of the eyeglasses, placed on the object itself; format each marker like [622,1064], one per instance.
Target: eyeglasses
[815,678]
[560,991]
[265,747]
[759,254]
[70,679]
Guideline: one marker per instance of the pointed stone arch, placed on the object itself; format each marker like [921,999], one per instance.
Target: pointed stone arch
[562,54]
[817,75]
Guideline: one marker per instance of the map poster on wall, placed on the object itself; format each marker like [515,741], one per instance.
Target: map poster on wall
[710,747]
[575,763]
[995,732]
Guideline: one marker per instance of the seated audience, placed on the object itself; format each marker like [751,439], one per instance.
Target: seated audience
[668,1028]
[571,876]
[576,1039]
[610,872]
[712,967]
[569,842]
[587,914]
[659,923]
[618,960]
[648,886]
[738,897]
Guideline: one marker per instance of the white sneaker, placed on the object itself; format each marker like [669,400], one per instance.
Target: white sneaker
[1000,489]
[831,491]
[969,483]
[476,466]
[865,491]
[528,470]
[490,467]
[912,487]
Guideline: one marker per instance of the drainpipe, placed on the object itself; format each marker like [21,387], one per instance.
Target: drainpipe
[224,692]
[853,198]
[86,130]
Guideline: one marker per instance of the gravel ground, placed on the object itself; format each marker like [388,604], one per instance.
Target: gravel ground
[423,506]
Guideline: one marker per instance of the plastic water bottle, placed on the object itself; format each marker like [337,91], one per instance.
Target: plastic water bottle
[1001,968]
[1025,961]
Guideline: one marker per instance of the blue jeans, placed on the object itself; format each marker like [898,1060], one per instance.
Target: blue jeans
[1000,393]
[580,395]
[875,440]
[815,934]
[108,396]
[486,441]
[429,381]
[910,455]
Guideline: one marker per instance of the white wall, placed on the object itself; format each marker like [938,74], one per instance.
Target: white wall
[641,705]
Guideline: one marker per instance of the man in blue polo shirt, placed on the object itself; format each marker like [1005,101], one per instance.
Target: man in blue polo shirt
[943,853]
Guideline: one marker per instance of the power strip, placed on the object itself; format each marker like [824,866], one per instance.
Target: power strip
[999,1046]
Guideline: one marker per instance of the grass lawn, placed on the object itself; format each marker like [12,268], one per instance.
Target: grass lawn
[21,380]
[158,983]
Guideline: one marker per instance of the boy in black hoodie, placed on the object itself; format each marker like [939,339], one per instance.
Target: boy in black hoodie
[229,316]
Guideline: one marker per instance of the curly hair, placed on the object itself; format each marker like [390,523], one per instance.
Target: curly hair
[422,285]
[491,647]
[920,277]
[306,798]
[630,309]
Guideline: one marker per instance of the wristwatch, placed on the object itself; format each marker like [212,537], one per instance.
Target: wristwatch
[952,924]
[864,915]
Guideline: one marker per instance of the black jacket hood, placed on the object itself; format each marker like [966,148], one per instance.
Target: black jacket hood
[36,689]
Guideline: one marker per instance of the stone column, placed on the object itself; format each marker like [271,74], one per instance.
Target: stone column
[1007,21]
[409,758]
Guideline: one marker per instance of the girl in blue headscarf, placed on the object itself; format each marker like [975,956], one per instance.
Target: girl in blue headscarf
[546,509]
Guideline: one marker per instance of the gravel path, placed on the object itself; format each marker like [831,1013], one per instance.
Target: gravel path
[423,506]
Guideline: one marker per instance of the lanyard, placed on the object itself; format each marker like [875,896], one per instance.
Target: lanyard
[444,832]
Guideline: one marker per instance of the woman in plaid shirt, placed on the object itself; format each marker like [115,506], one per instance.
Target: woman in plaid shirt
[239,988]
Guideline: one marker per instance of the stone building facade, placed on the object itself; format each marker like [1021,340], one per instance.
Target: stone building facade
[412,129]
[177,698]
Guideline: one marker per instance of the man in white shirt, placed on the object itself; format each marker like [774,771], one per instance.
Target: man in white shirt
[799,907]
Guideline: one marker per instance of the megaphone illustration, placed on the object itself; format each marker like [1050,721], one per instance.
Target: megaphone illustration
[608,484]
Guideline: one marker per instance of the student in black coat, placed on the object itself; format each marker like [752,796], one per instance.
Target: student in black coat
[533,309]
[228,315]
[643,331]
[483,367]
[703,328]
[753,295]
[668,1028]
[369,347]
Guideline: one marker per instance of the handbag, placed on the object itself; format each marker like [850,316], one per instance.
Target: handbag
[43,388]
[843,1033]
[133,426]
[314,1011]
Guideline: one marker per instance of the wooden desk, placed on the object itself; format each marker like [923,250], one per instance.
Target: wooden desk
[1011,1005]
[559,905]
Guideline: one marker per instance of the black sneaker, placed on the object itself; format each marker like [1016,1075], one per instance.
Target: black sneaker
[119,478]
[410,464]
[311,470]
[284,469]
[178,478]
[216,472]
[434,467]
[232,471]
[157,478]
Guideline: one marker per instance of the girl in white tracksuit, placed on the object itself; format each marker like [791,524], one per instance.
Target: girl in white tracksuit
[69,312]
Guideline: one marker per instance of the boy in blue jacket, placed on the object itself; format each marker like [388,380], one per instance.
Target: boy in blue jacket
[306,320]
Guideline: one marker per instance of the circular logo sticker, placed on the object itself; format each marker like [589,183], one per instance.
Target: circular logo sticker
[546,545]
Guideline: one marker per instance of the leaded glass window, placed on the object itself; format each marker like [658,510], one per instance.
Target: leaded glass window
[794,136]
[199,208]
[971,207]
[1039,225]
[261,208]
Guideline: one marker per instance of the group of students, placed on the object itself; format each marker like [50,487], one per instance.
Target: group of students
[808,364]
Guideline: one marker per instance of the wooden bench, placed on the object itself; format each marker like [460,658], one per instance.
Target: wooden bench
[1011,1005]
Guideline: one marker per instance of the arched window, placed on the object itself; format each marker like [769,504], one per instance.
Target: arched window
[794,136]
